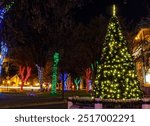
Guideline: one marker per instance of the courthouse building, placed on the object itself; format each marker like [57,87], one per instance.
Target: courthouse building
[141,53]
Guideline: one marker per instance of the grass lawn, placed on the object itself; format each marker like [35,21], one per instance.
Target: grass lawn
[67,94]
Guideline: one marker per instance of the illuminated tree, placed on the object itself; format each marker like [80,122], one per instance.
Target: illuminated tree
[29,38]
[50,28]
[63,78]
[24,75]
[77,82]
[69,82]
[3,46]
[3,53]
[88,78]
[55,72]
[116,77]
[40,76]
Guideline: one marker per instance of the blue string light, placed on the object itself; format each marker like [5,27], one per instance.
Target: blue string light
[3,54]
[3,46]
[63,78]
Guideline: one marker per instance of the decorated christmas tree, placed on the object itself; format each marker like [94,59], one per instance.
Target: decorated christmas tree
[116,76]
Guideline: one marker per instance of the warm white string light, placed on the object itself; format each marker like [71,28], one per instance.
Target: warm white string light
[114,10]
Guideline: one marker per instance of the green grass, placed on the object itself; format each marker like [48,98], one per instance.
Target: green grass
[66,94]
[81,93]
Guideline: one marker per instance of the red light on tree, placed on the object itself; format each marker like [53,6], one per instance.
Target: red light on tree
[88,77]
[24,77]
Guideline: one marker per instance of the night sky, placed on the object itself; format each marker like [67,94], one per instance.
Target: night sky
[132,10]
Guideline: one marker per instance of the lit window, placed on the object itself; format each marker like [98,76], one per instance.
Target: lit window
[148,77]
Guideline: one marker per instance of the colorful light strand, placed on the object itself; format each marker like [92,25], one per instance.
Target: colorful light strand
[63,78]
[116,76]
[55,72]
[3,46]
[77,82]
[40,76]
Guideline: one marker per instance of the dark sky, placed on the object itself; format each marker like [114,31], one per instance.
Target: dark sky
[129,9]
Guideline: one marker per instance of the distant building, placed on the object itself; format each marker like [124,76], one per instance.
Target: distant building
[141,53]
[15,80]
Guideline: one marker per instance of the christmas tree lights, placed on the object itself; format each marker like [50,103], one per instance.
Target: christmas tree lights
[4,10]
[40,75]
[69,82]
[55,72]
[24,75]
[77,82]
[88,73]
[116,77]
[8,6]
[3,46]
[63,78]
[3,54]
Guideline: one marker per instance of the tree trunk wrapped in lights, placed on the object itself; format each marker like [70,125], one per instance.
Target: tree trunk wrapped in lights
[24,76]
[3,46]
[116,76]
[40,76]
[69,82]
[77,82]
[3,50]
[88,77]
[63,78]
[55,72]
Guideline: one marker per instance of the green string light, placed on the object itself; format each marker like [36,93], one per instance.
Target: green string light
[55,72]
[116,76]
[77,82]
[8,6]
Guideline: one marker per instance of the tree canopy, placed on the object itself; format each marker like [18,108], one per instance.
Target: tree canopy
[35,29]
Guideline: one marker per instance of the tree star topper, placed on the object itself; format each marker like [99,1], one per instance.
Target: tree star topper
[114,10]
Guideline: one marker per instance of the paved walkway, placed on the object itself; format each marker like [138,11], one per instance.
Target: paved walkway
[20,101]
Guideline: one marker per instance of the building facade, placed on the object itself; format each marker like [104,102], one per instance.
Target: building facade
[141,54]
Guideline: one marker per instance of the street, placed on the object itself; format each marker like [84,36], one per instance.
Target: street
[50,106]
[9,101]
